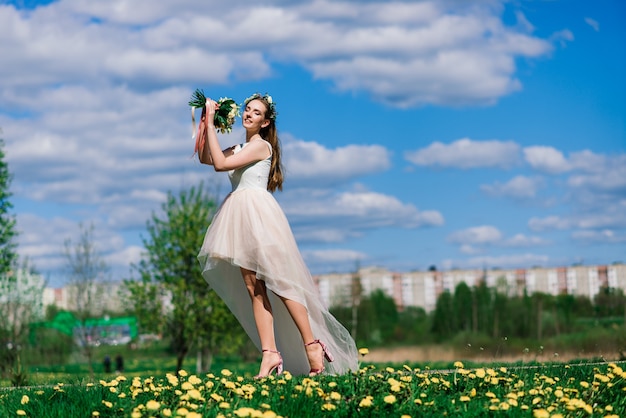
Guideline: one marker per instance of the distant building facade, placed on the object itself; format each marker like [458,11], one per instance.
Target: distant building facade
[422,288]
[416,288]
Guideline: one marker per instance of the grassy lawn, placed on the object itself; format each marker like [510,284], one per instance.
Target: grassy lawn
[147,388]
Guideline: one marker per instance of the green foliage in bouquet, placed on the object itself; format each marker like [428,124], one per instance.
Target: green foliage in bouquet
[224,116]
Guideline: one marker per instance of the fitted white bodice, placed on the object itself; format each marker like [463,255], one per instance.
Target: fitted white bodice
[252,176]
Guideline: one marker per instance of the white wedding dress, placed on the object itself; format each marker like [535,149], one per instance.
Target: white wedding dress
[250,230]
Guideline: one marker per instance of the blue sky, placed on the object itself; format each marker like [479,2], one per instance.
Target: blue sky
[460,134]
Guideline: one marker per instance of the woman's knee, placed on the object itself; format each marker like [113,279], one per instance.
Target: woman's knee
[250,281]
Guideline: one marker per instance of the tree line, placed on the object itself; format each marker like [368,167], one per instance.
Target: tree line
[485,313]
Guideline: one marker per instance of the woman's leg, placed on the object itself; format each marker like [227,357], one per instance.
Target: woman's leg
[263,318]
[300,316]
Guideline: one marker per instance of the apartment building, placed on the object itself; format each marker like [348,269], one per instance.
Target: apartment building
[417,288]
[421,288]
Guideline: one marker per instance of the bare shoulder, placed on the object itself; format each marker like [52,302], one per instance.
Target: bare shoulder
[262,144]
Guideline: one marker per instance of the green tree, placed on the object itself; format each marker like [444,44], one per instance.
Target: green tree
[463,306]
[444,323]
[10,325]
[21,303]
[87,277]
[8,247]
[170,296]
[483,308]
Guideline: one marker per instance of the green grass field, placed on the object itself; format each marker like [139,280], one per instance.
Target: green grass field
[149,389]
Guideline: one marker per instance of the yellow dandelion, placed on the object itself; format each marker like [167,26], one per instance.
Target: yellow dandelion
[24,400]
[458,365]
[329,407]
[269,414]
[335,396]
[364,351]
[152,405]
[172,379]
[186,386]
[93,414]
[113,389]
[584,384]
[194,415]
[182,412]
[195,394]
[224,405]
[135,414]
[167,412]
[107,404]
[243,412]
[226,372]
[366,402]
[182,373]
[20,412]
[473,392]
[480,373]
[541,413]
[194,380]
[216,397]
[464,398]
[390,399]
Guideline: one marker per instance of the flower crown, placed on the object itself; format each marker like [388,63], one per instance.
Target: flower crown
[271,111]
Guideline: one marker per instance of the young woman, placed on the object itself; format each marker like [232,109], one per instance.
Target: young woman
[251,259]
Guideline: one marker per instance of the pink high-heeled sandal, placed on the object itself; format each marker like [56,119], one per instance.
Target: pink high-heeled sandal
[278,367]
[325,354]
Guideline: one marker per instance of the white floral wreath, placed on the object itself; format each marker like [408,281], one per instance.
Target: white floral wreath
[267,98]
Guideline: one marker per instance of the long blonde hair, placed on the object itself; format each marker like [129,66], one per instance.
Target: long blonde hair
[270,134]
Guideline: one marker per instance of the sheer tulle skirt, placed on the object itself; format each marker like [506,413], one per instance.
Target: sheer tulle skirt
[251,231]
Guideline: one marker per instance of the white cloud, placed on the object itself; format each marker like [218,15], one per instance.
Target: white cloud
[508,261]
[604,236]
[521,240]
[333,256]
[466,153]
[613,217]
[546,159]
[307,162]
[476,239]
[593,23]
[335,259]
[519,187]
[44,240]
[602,174]
[348,214]
[481,235]
[548,223]
[435,52]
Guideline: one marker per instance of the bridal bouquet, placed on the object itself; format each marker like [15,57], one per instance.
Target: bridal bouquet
[224,116]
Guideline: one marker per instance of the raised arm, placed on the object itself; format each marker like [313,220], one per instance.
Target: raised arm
[212,154]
